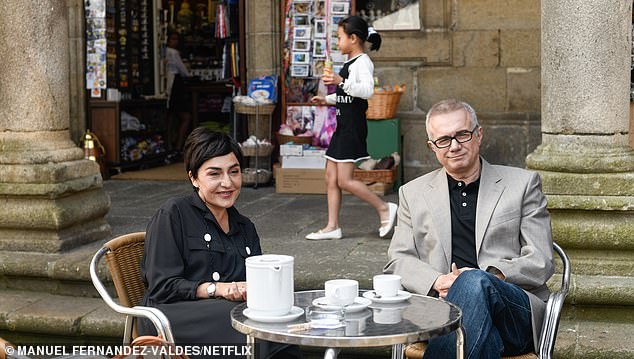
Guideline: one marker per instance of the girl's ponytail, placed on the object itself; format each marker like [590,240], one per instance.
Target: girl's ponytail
[374,38]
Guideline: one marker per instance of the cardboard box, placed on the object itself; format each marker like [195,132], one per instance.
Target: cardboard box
[311,181]
[314,153]
[300,180]
[303,162]
[291,150]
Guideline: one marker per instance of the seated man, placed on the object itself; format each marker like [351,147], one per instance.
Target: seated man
[477,235]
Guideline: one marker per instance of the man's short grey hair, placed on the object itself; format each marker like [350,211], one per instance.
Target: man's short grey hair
[447,106]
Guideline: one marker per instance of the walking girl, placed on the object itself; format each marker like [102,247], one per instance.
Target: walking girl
[355,84]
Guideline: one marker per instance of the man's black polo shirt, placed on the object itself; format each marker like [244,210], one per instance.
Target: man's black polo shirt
[463,200]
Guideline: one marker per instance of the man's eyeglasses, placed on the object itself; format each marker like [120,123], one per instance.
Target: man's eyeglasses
[460,137]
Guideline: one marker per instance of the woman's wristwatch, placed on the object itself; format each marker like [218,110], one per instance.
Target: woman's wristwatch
[211,290]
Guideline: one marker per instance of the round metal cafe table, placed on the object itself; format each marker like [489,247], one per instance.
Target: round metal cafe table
[415,319]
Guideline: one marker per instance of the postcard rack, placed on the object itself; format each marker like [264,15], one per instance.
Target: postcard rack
[309,38]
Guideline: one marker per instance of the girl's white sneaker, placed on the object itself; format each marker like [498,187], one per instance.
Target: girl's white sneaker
[334,234]
[388,224]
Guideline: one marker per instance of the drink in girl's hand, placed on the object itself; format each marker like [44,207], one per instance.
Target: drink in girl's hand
[328,67]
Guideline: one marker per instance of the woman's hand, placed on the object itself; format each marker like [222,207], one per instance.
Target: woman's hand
[318,99]
[234,291]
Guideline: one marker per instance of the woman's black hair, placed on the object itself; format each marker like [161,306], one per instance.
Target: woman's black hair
[359,27]
[204,144]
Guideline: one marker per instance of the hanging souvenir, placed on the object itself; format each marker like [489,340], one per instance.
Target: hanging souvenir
[221,22]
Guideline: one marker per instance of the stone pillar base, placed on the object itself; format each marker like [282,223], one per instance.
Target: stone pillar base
[570,156]
[590,191]
[52,199]
[51,240]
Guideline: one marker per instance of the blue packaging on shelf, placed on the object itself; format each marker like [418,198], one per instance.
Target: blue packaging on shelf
[263,87]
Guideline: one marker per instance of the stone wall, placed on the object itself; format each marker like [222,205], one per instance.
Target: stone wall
[484,52]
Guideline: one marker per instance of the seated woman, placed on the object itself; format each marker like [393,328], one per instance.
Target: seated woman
[195,250]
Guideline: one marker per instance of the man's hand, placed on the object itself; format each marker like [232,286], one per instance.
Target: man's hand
[444,282]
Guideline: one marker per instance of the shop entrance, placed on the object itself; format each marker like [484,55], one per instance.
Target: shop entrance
[147,90]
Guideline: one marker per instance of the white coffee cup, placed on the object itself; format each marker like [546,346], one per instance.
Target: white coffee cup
[386,285]
[341,291]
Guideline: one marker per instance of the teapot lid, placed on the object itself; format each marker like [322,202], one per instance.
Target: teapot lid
[269,259]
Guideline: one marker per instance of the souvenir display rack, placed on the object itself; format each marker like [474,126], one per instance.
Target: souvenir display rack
[309,38]
[130,53]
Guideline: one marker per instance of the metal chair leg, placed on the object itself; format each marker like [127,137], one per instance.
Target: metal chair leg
[397,351]
[460,343]
[331,353]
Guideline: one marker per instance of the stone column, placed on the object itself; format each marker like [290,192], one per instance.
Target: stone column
[263,38]
[585,162]
[51,198]
[77,58]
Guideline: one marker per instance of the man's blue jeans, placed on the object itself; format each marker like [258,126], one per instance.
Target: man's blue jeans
[496,317]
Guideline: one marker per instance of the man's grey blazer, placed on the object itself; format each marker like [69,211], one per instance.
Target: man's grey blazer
[512,233]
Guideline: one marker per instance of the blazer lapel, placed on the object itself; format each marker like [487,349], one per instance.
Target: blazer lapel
[489,194]
[439,201]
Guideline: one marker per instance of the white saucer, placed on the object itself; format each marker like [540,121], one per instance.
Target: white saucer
[400,296]
[295,313]
[358,305]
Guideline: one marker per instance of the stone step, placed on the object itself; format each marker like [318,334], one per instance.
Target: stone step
[28,316]
[64,273]
[70,317]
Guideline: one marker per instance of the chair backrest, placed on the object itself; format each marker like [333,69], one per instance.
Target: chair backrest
[124,261]
[123,256]
[553,308]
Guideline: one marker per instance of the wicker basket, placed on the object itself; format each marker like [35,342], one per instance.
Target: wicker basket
[298,140]
[383,104]
[264,149]
[263,109]
[249,176]
[374,176]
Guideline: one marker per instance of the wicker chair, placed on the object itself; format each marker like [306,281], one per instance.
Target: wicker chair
[549,326]
[123,257]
